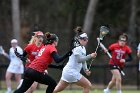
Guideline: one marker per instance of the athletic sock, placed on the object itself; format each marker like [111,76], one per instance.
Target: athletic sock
[119,91]
[9,89]
[107,89]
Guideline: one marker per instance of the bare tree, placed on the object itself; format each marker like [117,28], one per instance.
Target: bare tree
[16,19]
[89,18]
[132,23]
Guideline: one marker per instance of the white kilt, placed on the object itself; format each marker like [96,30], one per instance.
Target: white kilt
[14,68]
[71,75]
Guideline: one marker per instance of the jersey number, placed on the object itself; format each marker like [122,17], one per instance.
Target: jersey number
[119,56]
[41,51]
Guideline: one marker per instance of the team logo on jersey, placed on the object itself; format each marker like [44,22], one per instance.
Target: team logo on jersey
[34,53]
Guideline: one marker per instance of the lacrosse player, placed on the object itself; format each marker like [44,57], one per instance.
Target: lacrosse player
[119,51]
[35,70]
[15,67]
[71,72]
[31,50]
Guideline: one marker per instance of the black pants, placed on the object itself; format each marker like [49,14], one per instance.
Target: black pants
[32,75]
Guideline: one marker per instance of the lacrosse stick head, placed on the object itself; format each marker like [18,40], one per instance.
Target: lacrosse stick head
[103,32]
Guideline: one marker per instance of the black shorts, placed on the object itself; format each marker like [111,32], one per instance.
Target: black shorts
[114,67]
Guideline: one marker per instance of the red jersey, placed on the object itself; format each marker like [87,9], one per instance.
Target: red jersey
[118,52]
[44,58]
[32,51]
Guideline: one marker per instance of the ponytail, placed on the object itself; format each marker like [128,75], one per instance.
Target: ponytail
[50,38]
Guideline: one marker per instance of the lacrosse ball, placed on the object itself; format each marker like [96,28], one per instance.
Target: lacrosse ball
[103,33]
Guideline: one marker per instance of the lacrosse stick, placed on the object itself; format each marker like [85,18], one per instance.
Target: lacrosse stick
[103,32]
[104,48]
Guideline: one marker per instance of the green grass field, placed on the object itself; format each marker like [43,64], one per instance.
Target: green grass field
[93,91]
[80,91]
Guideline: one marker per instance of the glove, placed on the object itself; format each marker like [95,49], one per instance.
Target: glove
[19,55]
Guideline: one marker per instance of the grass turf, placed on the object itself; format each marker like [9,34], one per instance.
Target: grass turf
[80,91]
[93,91]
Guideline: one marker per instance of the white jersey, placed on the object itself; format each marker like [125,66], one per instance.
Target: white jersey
[16,65]
[13,58]
[73,63]
[71,72]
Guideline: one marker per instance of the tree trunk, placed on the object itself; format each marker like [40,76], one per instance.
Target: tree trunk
[132,24]
[89,18]
[16,19]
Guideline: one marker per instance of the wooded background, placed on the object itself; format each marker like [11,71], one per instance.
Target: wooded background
[19,18]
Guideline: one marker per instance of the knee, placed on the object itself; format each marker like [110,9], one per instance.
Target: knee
[118,80]
[88,86]
[7,77]
[113,81]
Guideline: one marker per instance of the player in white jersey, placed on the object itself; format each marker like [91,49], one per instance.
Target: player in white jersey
[77,61]
[15,67]
[138,54]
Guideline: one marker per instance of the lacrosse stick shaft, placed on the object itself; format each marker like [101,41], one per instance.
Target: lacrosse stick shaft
[97,48]
[95,52]
[93,58]
[91,64]
[104,48]
[97,45]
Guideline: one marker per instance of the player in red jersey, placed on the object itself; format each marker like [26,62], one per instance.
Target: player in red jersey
[35,71]
[119,51]
[31,50]
[33,47]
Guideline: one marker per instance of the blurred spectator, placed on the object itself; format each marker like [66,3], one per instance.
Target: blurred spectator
[15,67]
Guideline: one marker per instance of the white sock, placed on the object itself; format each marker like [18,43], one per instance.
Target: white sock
[9,89]
[119,91]
[107,89]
